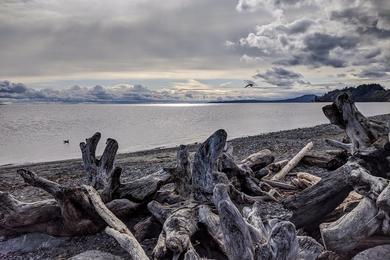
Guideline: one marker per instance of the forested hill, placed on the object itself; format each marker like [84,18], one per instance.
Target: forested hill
[362,93]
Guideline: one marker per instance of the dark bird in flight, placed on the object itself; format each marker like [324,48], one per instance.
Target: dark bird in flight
[66,141]
[249,84]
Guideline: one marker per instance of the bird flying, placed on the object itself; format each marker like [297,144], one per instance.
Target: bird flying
[249,84]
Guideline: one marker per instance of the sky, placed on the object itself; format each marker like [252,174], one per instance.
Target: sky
[182,50]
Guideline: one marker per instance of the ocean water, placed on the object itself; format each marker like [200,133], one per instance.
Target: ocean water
[35,132]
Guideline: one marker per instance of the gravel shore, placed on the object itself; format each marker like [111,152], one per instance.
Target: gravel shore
[284,144]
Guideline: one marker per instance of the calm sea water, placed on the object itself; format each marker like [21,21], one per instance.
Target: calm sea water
[35,132]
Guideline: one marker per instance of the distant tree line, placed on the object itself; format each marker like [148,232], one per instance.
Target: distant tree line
[361,93]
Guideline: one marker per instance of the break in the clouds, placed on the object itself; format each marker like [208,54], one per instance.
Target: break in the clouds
[49,43]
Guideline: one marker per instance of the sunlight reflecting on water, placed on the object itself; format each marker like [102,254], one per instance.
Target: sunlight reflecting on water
[175,105]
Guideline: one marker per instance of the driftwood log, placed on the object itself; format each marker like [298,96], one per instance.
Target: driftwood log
[69,213]
[330,159]
[370,216]
[249,209]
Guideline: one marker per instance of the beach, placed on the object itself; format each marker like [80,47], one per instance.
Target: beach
[283,144]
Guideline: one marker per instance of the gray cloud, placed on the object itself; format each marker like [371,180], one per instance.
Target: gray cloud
[317,49]
[374,71]
[337,34]
[299,26]
[93,36]
[281,77]
[252,5]
[116,94]
[374,19]
[183,91]
[48,43]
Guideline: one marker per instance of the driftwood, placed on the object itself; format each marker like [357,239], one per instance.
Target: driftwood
[117,228]
[245,208]
[330,160]
[106,179]
[247,236]
[369,147]
[305,180]
[363,133]
[292,163]
[181,220]
[371,214]
[271,169]
[70,213]
[315,202]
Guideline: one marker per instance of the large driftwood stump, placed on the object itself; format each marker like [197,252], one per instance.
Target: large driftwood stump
[370,149]
[212,166]
[105,178]
[362,132]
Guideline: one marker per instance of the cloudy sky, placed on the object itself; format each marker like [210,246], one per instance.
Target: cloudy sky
[190,50]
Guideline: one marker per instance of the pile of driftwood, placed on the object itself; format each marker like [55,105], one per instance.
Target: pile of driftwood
[252,209]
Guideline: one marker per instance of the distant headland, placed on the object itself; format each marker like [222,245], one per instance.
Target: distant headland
[361,93]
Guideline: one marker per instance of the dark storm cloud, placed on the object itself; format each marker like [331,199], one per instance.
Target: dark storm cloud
[371,73]
[375,20]
[337,34]
[317,48]
[281,77]
[372,53]
[374,71]
[321,42]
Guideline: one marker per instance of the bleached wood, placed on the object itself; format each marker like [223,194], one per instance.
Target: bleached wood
[312,179]
[292,163]
[117,228]
[347,232]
